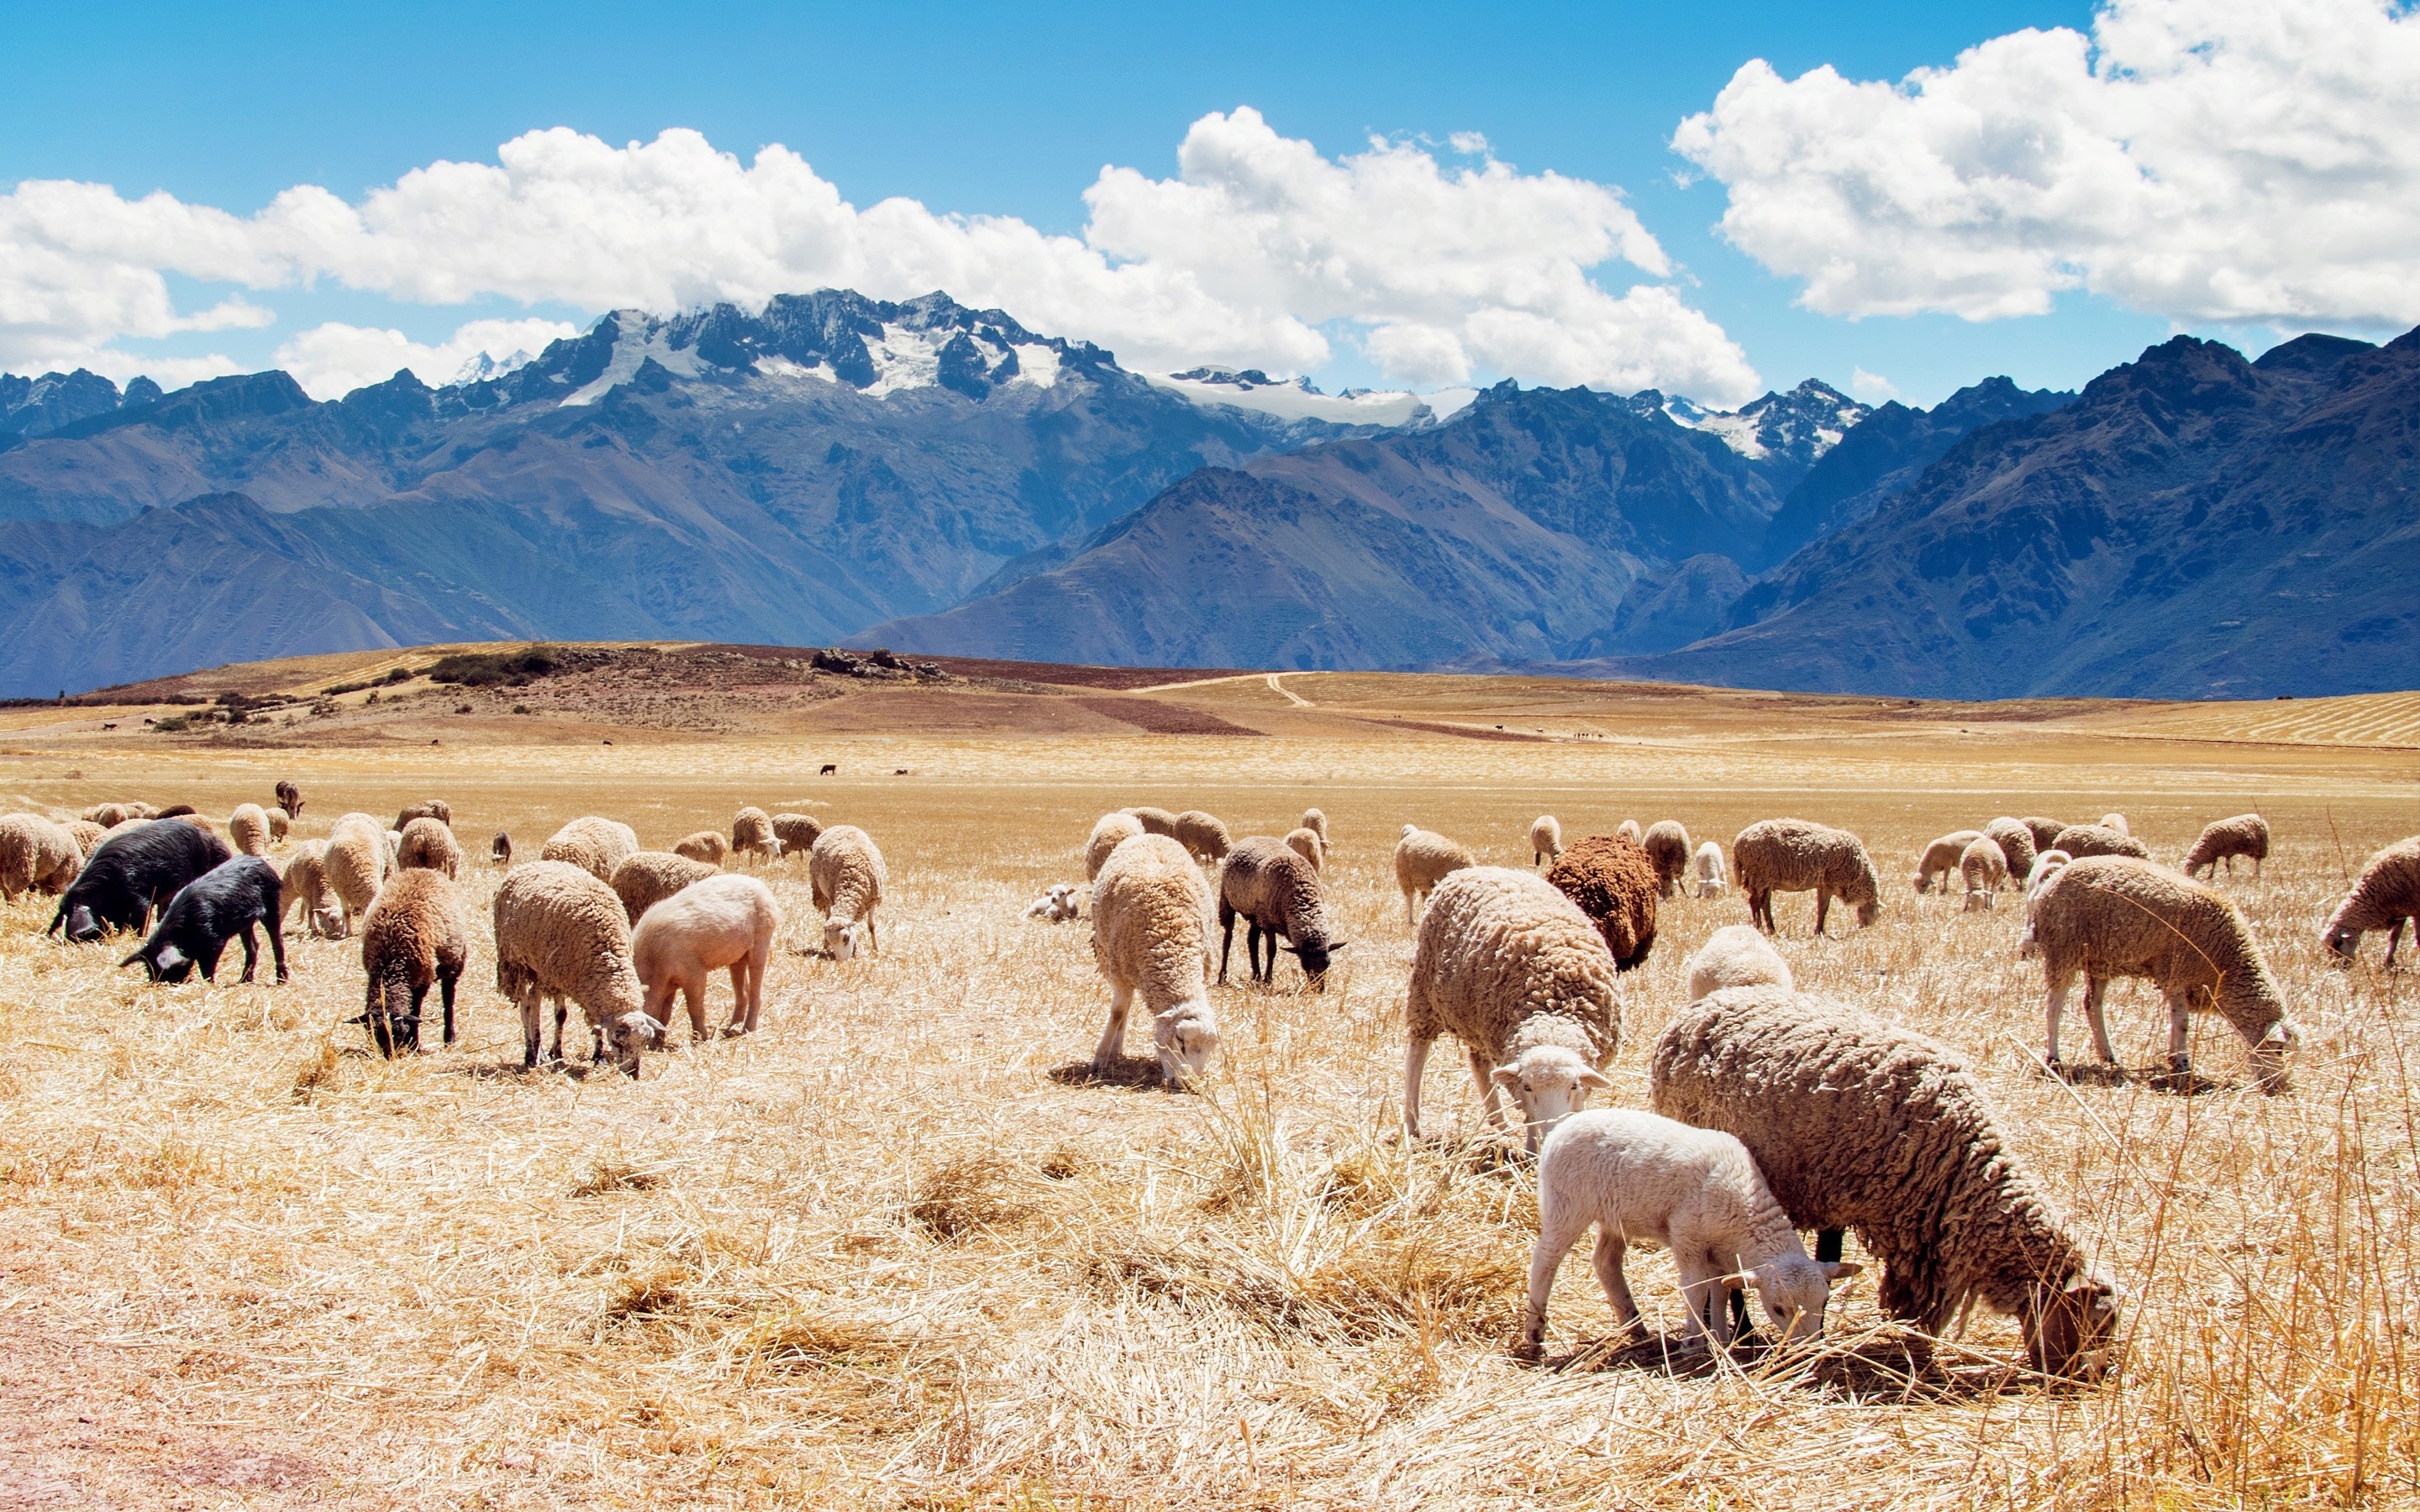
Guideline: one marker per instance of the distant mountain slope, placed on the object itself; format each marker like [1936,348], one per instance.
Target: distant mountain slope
[2193,525]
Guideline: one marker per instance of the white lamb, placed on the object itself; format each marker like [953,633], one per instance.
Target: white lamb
[727,920]
[1713,876]
[1643,1178]
[1056,906]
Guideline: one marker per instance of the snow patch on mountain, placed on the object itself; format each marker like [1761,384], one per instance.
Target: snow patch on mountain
[1298,399]
[636,339]
[904,359]
[1036,364]
[1801,424]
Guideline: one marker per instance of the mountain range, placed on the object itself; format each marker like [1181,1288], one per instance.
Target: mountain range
[933,478]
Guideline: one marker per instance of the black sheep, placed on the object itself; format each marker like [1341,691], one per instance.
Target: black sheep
[209,911]
[133,873]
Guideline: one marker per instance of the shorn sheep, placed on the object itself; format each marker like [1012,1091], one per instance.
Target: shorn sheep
[1711,874]
[2387,897]
[134,873]
[561,933]
[1277,894]
[1545,839]
[428,845]
[706,845]
[2016,844]
[1736,955]
[724,921]
[1202,834]
[2107,917]
[36,853]
[2246,834]
[796,832]
[649,877]
[1423,858]
[2083,841]
[1613,882]
[222,904]
[414,938]
[1940,860]
[1305,841]
[1642,1178]
[848,876]
[304,883]
[1511,967]
[1109,831]
[355,865]
[1666,845]
[1983,869]
[753,836]
[1151,912]
[595,846]
[1798,855]
[1856,1123]
[248,830]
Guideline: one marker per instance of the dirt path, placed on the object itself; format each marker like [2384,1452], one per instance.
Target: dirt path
[1290,696]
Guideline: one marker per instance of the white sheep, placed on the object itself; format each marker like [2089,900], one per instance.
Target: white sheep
[1305,841]
[753,835]
[306,882]
[1941,858]
[1712,873]
[1642,1178]
[1423,858]
[248,830]
[1736,955]
[1316,822]
[1151,934]
[1983,867]
[1056,906]
[354,865]
[1629,831]
[1545,839]
[560,933]
[1109,831]
[727,920]
[596,845]
[36,852]
[847,874]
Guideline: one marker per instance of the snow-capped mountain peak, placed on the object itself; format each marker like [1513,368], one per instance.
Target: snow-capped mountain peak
[1799,426]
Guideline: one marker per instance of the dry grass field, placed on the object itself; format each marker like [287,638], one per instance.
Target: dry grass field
[898,1251]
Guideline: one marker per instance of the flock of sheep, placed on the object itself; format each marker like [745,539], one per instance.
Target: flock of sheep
[1774,1112]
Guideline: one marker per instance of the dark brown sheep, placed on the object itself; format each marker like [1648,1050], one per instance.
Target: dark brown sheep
[1276,892]
[1615,884]
[289,799]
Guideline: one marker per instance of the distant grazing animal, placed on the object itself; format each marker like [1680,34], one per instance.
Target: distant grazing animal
[1276,892]
[2115,821]
[1316,822]
[1305,841]
[2387,897]
[1666,845]
[724,921]
[304,882]
[1156,821]
[2246,834]
[1423,858]
[225,902]
[289,799]
[414,938]
[706,845]
[181,810]
[248,830]
[1545,839]
[428,845]
[1796,855]
[847,876]
[1713,876]
[2045,831]
[1613,882]
[437,808]
[751,835]
[355,863]
[1736,955]
[1151,937]
[135,872]
[1983,869]
[829,769]
[1941,858]
[2016,843]
[796,832]
[1203,834]
[281,825]
[2084,840]
[499,850]
[1630,831]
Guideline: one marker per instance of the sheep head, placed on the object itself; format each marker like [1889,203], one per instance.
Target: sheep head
[1550,1082]
[1316,956]
[1184,1036]
[840,938]
[621,1038]
[2072,1329]
[1794,1291]
[168,964]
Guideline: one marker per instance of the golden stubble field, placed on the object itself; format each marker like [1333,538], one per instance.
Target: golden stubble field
[890,1252]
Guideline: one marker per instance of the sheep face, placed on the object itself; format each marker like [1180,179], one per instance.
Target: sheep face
[170,965]
[2268,1058]
[1316,957]
[2343,944]
[1868,912]
[2073,1329]
[1924,881]
[840,939]
[1795,1291]
[619,1041]
[1184,1036]
[1550,1084]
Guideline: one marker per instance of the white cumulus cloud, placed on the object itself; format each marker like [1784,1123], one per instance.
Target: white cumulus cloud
[1873,387]
[2209,160]
[1257,245]
[332,360]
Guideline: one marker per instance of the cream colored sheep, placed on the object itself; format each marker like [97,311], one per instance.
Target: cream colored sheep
[2387,897]
[796,832]
[751,835]
[846,873]
[304,882]
[354,864]
[1202,834]
[437,808]
[1151,935]
[1630,831]
[412,938]
[87,835]
[1941,858]
[428,845]
[1156,821]
[1797,856]
[1736,955]
[595,846]
[2086,840]
[281,825]
[1666,845]
[1108,832]
[2045,831]
[1511,967]
[36,853]
[724,921]
[1711,874]
[561,933]
[1316,822]
[1305,842]
[1545,839]
[2246,834]
[706,845]
[248,830]
[2115,821]
[649,877]
[1423,858]
[1983,869]
[2016,842]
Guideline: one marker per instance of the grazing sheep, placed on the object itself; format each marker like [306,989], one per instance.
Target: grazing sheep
[1856,1123]
[1666,845]
[706,845]
[1276,892]
[2107,917]
[355,864]
[1941,858]
[2115,821]
[412,938]
[796,832]
[289,799]
[2045,831]
[2016,844]
[1983,869]
[1151,934]
[2387,897]
[2046,866]
[561,933]
[1306,843]
[87,835]
[1642,1178]
[2246,834]
[248,830]
[717,922]
[392,841]
[1316,822]
[36,852]
[1613,882]
[1509,966]
[201,822]
[1108,832]
[145,810]
[1629,830]
[1423,858]
[1056,906]
[109,815]
[437,808]
[306,882]
[224,902]
[751,835]
[131,874]
[1204,835]
[847,874]
[1713,876]
[649,877]
[1545,839]
[281,825]
[1798,855]
[1736,955]
[2082,841]
[1155,821]
[499,850]
[428,845]
[595,846]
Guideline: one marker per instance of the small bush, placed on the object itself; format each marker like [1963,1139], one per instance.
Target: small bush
[492,669]
[174,724]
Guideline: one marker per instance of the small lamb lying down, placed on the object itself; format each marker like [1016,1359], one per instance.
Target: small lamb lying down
[1056,906]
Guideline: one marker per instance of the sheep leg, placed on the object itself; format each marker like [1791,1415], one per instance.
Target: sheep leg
[1482,1071]
[2179,1036]
[1702,1295]
[251,954]
[2095,989]
[412,1024]
[533,1029]
[2394,937]
[1227,939]
[1416,1059]
[1606,1262]
[1113,1037]
[1759,911]
[1822,908]
[2054,1010]
[1410,918]
[274,927]
[693,994]
[1560,1226]
[562,1009]
[445,992]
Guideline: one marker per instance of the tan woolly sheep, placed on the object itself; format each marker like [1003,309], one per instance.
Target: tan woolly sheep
[706,845]
[2016,842]
[2115,821]
[595,846]
[305,883]
[717,922]
[1156,821]
[1666,845]
[2107,917]
[281,825]
[354,864]
[2387,897]
[796,832]
[428,845]
[1151,935]
[1202,834]
[1798,855]
[1983,869]
[2246,834]
[1856,1123]
[110,815]
[1423,858]
[87,833]
[412,938]
[1511,967]
[2045,831]
[1108,832]
[1629,830]
[1613,882]
[1711,874]
[437,808]
[649,877]
[248,830]
[1545,839]
[1736,955]
[1316,822]
[2083,841]
[848,876]
[1305,842]
[561,933]
[36,853]
[751,835]
[1941,858]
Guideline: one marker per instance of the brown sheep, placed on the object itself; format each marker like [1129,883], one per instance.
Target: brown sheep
[2246,834]
[2045,831]
[1615,884]
[412,938]
[1276,892]
[1799,856]
[2387,897]
[751,835]
[706,845]
[2080,841]
[437,808]
[796,832]
[649,877]
[289,799]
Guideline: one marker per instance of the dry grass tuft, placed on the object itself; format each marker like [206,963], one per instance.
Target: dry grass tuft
[969,1195]
[615,1176]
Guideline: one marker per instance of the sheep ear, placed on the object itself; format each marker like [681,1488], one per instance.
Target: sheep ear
[1507,1078]
[1841,1269]
[1595,1079]
[1334,946]
[1740,1282]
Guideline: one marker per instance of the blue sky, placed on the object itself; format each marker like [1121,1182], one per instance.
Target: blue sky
[1009,112]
